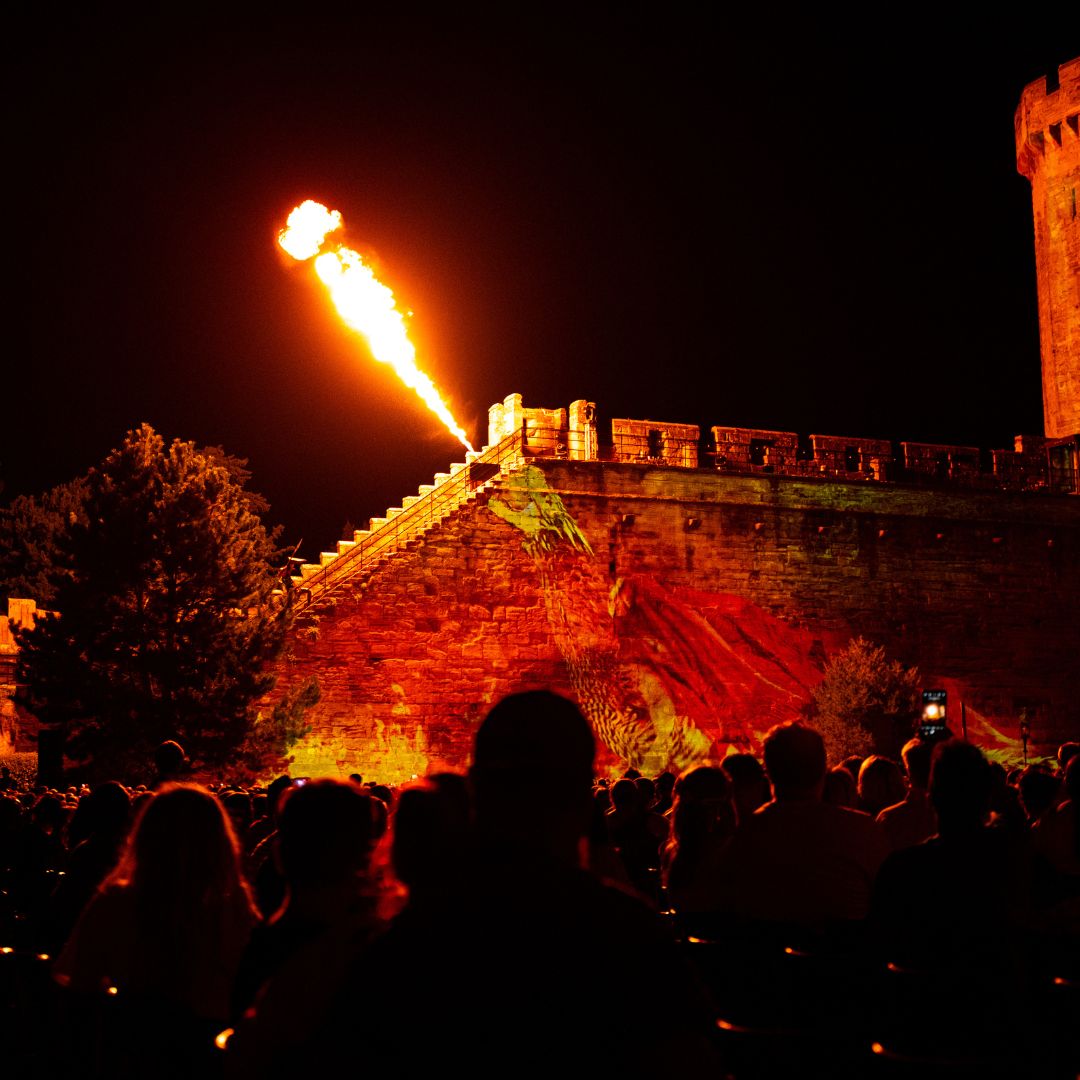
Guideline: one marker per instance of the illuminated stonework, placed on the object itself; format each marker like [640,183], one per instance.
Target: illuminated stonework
[689,609]
[1048,154]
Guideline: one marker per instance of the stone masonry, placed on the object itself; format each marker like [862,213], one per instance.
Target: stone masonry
[1048,154]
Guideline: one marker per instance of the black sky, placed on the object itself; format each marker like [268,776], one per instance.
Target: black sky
[817,227]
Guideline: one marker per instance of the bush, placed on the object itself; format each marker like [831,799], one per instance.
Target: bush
[866,704]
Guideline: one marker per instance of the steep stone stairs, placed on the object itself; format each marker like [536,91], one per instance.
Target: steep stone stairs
[355,560]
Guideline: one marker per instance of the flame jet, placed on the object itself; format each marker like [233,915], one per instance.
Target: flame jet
[363,302]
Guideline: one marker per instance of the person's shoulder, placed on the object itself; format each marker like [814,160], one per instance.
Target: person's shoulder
[855,820]
[896,810]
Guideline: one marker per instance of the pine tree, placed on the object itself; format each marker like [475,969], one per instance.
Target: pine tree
[166,614]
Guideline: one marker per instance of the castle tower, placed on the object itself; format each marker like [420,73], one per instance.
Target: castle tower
[1048,154]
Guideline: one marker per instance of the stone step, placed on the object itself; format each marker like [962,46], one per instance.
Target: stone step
[426,489]
[409,500]
[297,581]
[441,478]
[377,523]
[309,570]
[345,545]
[327,557]
[393,512]
[360,535]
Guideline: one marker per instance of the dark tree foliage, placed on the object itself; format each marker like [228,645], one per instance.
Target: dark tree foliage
[32,531]
[166,615]
[865,703]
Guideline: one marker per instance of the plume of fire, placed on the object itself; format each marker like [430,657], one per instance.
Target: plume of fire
[364,303]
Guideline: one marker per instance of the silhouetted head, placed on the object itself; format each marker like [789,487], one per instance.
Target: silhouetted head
[853,763]
[750,786]
[795,761]
[881,784]
[917,754]
[274,793]
[703,803]
[431,832]
[646,791]
[625,795]
[182,866]
[840,788]
[325,833]
[961,783]
[1038,791]
[169,761]
[532,770]
[238,806]
[49,813]
[108,809]
[182,839]
[1066,752]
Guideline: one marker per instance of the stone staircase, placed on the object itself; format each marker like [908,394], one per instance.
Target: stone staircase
[354,560]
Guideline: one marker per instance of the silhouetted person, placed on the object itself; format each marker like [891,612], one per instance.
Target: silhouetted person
[432,838]
[799,859]
[665,793]
[703,823]
[106,816]
[167,929]
[841,788]
[296,962]
[1039,792]
[499,978]
[749,784]
[1065,753]
[960,897]
[637,833]
[1057,833]
[267,881]
[170,763]
[880,784]
[912,820]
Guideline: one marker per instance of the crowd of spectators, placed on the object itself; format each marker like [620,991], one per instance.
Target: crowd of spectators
[529,918]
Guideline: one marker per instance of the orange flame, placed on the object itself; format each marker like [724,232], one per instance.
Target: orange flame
[363,302]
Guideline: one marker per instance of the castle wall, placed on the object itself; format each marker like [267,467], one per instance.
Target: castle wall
[688,610]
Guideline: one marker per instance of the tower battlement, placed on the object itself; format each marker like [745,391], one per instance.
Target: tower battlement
[1046,120]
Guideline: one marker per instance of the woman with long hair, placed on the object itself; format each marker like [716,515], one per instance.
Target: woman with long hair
[166,928]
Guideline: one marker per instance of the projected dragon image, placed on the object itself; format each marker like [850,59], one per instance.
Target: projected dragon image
[666,675]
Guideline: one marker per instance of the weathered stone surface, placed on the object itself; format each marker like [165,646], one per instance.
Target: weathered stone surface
[980,589]
[1048,154]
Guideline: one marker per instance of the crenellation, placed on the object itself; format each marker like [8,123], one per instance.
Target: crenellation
[655,442]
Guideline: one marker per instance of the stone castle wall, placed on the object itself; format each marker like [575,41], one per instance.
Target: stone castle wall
[688,609]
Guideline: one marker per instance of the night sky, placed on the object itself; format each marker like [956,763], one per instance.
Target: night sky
[677,219]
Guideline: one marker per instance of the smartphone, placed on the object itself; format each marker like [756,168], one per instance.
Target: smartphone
[932,724]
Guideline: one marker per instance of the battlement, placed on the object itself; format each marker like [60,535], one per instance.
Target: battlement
[1033,463]
[1047,120]
[519,435]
